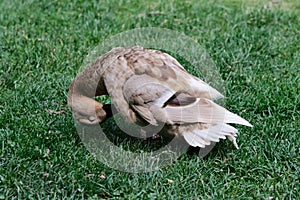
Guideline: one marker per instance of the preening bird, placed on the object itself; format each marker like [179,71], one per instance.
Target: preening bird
[151,87]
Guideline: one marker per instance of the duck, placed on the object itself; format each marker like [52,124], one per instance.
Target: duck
[150,87]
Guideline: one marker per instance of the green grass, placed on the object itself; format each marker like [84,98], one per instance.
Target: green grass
[255,45]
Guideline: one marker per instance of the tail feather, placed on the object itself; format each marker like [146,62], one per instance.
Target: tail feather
[194,140]
[205,111]
[208,135]
[204,137]
[204,140]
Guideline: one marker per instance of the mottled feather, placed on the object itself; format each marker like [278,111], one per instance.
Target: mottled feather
[151,86]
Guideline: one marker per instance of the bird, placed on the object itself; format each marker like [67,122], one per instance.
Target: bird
[148,86]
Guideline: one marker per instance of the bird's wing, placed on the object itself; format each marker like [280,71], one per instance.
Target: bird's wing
[155,101]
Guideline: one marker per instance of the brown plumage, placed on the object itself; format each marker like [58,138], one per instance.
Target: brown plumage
[150,86]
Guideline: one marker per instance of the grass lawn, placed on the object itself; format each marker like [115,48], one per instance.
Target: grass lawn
[255,45]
